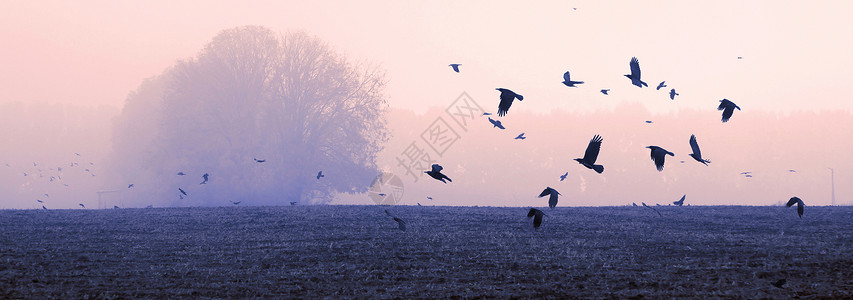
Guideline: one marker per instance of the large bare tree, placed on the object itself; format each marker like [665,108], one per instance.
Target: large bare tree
[288,99]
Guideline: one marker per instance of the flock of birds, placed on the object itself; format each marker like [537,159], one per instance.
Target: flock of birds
[658,154]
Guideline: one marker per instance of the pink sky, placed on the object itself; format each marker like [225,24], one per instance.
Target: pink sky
[795,55]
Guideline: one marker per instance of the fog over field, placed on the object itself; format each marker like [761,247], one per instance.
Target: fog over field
[111,101]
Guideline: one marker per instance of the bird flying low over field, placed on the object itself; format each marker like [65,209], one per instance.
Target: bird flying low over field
[205,177]
[652,208]
[181,174]
[520,136]
[436,173]
[658,155]
[182,191]
[496,123]
[400,223]
[259,160]
[591,155]
[662,84]
[552,199]
[697,154]
[537,217]
[83,206]
[672,94]
[456,67]
[563,177]
[605,91]
[635,73]
[320,175]
[799,203]
[236,202]
[130,185]
[506,97]
[680,202]
[568,81]
[728,109]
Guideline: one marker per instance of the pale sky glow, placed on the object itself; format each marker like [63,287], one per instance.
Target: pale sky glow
[796,56]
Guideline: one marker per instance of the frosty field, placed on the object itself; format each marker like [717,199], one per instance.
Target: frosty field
[460,252]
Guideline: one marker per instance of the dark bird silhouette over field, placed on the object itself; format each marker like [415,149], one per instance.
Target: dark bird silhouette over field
[45,208]
[635,73]
[800,205]
[658,155]
[649,122]
[259,160]
[182,192]
[320,175]
[537,217]
[634,203]
[455,67]
[400,223]
[39,201]
[520,136]
[780,283]
[728,109]
[436,173]
[81,205]
[652,208]
[292,203]
[496,123]
[680,202]
[205,177]
[236,202]
[552,199]
[507,97]
[130,185]
[181,174]
[605,91]
[487,114]
[563,177]
[672,94]
[568,81]
[591,155]
[662,84]
[697,154]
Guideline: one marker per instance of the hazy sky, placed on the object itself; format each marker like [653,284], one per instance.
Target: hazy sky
[796,55]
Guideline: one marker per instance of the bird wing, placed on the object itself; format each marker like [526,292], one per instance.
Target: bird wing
[658,156]
[506,101]
[537,220]
[727,113]
[724,104]
[400,223]
[437,168]
[494,123]
[531,213]
[545,192]
[792,201]
[635,68]
[592,150]
[695,146]
[566,76]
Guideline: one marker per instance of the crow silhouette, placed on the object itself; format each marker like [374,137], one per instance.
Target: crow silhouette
[537,217]
[728,109]
[130,185]
[496,123]
[635,73]
[236,202]
[800,205]
[455,67]
[563,177]
[320,175]
[662,84]
[81,205]
[400,223]
[697,154]
[680,202]
[259,160]
[182,192]
[591,155]
[436,173]
[672,94]
[552,199]
[181,174]
[507,97]
[605,91]
[520,136]
[658,155]
[568,81]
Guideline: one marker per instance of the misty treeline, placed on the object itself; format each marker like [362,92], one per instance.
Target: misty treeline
[489,167]
[287,99]
[47,148]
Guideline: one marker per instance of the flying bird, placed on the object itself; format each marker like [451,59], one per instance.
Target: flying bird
[697,154]
[39,201]
[552,199]
[591,155]
[520,136]
[507,97]
[45,208]
[455,67]
[320,175]
[781,282]
[652,208]
[604,91]
[680,202]
[537,217]
[130,185]
[744,173]
[487,114]
[181,174]
[259,160]
[649,122]
[672,94]
[428,197]
[635,73]
[496,123]
[748,176]
[182,192]
[658,155]
[205,176]
[800,205]
[662,84]
[400,223]
[236,202]
[81,205]
[728,109]
[436,173]
[568,81]
[563,177]
[792,171]
[115,206]
[292,203]
[634,203]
